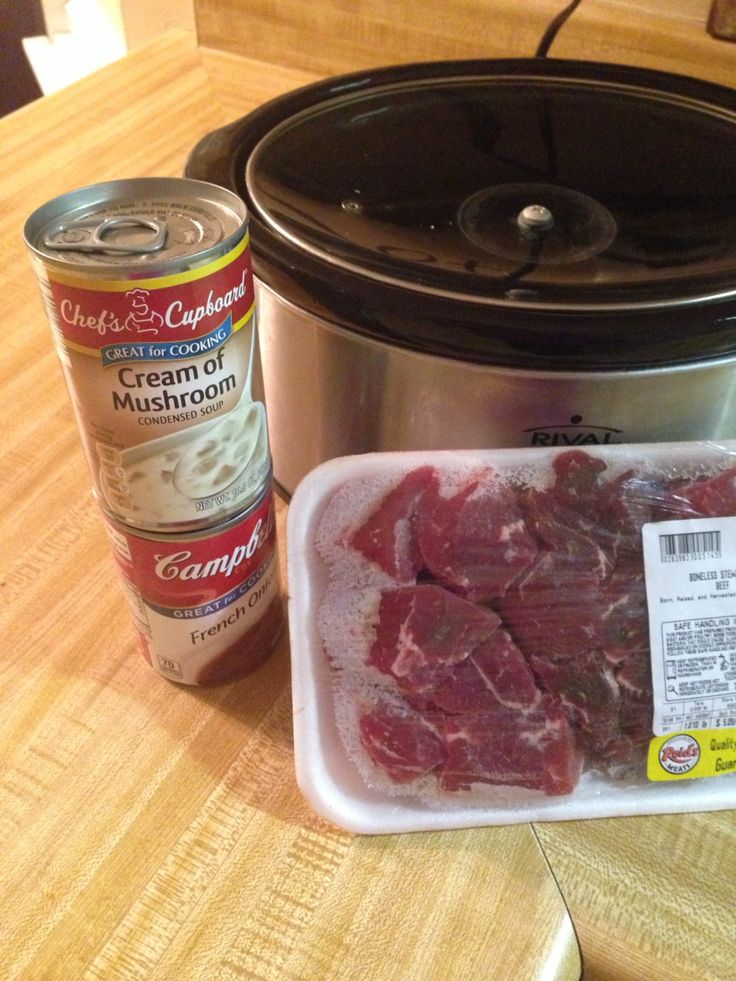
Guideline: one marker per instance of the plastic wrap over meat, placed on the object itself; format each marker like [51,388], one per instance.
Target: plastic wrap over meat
[486,623]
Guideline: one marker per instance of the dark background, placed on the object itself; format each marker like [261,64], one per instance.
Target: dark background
[18,19]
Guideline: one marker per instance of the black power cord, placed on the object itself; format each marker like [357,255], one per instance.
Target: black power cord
[554,26]
[538,241]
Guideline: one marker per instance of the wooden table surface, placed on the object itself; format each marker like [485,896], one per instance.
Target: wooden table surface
[153,831]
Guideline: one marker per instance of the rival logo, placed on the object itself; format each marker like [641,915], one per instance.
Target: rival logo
[575,433]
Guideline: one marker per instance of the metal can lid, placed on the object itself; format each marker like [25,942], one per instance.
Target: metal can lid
[156,223]
[261,493]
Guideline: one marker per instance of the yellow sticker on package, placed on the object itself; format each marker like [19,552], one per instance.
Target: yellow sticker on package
[688,755]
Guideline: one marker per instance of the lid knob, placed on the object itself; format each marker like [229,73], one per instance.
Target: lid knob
[535,218]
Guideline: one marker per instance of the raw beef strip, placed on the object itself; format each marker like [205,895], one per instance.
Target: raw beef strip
[562,530]
[628,502]
[387,536]
[634,676]
[566,517]
[404,744]
[714,498]
[628,746]
[624,619]
[475,542]
[423,631]
[576,485]
[589,694]
[635,720]
[494,676]
[555,611]
[535,749]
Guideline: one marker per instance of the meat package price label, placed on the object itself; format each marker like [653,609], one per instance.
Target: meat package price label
[690,573]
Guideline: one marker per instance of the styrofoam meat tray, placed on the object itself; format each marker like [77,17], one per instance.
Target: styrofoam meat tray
[330,780]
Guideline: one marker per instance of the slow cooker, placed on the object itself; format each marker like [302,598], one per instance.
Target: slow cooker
[489,254]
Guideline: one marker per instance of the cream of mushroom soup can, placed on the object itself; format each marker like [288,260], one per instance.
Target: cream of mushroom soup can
[148,287]
[206,604]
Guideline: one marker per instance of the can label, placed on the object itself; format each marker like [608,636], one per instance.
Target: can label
[159,371]
[207,607]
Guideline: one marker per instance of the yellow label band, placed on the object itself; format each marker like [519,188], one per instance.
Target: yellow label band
[689,755]
[79,279]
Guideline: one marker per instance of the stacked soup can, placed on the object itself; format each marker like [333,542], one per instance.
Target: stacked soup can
[148,287]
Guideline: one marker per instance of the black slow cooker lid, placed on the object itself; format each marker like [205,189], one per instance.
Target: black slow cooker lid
[600,199]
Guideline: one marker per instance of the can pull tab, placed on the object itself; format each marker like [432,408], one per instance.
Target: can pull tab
[88,235]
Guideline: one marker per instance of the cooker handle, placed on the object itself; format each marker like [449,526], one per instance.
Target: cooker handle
[220,156]
[215,156]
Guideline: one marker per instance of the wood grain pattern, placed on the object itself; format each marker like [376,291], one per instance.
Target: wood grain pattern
[650,897]
[333,36]
[154,831]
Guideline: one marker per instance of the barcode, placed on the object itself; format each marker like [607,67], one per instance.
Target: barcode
[690,545]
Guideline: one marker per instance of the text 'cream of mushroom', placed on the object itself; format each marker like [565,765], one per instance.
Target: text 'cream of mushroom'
[148,287]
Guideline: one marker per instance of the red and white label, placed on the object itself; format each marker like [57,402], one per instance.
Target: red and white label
[134,319]
[160,376]
[207,608]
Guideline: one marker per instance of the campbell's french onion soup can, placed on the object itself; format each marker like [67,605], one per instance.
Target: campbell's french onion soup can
[148,288]
[206,604]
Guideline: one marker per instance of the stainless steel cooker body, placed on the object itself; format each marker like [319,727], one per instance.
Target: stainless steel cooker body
[331,392]
[489,254]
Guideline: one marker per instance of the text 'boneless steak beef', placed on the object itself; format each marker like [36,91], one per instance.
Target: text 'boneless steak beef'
[502,636]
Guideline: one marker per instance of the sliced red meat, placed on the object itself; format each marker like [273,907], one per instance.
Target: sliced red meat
[623,755]
[475,542]
[535,749]
[580,513]
[589,694]
[558,671]
[494,676]
[624,619]
[628,502]
[629,746]
[423,631]
[387,536]
[403,743]
[555,611]
[636,720]
[634,675]
[565,531]
[713,498]
[577,486]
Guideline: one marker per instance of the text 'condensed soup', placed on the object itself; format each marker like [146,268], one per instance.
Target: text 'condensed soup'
[149,290]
